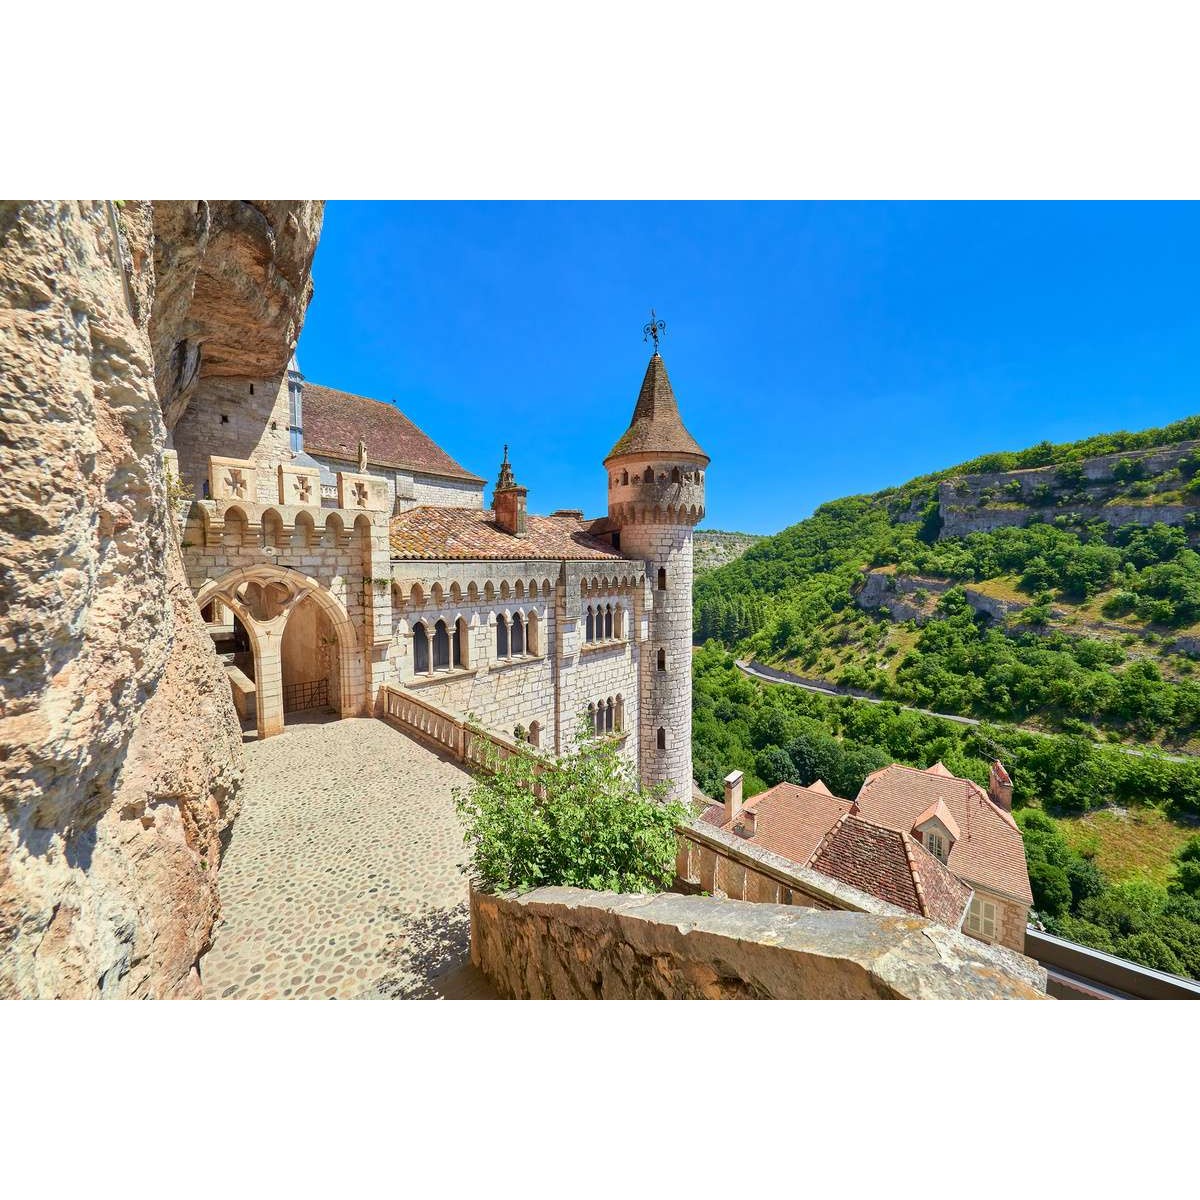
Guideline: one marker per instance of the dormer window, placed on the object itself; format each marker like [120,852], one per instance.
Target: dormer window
[935,845]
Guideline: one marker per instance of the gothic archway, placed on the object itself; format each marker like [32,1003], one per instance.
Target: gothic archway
[264,599]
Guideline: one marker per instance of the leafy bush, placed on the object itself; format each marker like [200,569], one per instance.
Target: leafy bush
[575,821]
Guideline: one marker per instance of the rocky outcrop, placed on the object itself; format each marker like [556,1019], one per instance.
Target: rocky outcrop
[233,280]
[121,753]
[915,597]
[571,944]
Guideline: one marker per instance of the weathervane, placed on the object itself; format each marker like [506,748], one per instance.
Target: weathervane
[654,329]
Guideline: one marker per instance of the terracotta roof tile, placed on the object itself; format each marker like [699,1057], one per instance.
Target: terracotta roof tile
[433,532]
[790,820]
[939,811]
[818,830]
[988,853]
[334,421]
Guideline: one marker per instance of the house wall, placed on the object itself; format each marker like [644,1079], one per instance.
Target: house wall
[1011,919]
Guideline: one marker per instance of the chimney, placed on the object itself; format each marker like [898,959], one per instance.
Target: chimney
[746,829]
[733,795]
[1000,788]
[508,500]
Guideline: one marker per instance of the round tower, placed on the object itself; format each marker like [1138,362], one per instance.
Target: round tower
[655,499]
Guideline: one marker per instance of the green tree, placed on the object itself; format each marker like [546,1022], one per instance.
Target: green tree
[580,820]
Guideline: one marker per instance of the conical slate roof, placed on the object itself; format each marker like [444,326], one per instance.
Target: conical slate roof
[656,427]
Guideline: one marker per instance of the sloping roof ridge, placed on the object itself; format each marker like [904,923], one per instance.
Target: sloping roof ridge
[826,836]
[908,841]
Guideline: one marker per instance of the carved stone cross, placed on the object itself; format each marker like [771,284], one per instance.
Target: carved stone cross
[303,488]
[361,494]
[236,483]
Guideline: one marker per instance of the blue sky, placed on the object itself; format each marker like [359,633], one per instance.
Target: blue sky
[817,350]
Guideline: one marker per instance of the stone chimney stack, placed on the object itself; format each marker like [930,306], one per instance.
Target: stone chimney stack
[733,795]
[508,500]
[1000,787]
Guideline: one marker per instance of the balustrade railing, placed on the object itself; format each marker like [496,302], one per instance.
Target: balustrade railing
[468,743]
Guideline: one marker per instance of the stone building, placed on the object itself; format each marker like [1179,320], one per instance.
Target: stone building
[923,840]
[335,550]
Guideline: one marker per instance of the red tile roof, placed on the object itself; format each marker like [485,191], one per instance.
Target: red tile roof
[334,421]
[989,852]
[816,829]
[430,531]
[790,820]
[938,811]
[892,866]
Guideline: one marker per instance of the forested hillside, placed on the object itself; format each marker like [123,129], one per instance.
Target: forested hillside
[1056,589]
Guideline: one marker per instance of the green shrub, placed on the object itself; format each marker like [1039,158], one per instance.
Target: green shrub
[1051,888]
[579,821]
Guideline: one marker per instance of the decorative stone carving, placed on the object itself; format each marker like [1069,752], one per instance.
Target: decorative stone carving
[300,485]
[232,479]
[366,492]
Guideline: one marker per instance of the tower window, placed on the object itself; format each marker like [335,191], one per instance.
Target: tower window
[662,660]
[590,629]
[501,636]
[675,475]
[252,389]
[662,738]
[441,647]
[624,478]
[608,624]
[224,418]
[662,579]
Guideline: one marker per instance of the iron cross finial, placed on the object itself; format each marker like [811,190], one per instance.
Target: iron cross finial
[654,329]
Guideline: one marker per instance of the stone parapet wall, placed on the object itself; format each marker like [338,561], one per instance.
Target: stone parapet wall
[571,944]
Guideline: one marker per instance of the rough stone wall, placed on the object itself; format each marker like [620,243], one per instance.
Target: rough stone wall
[570,944]
[895,594]
[228,419]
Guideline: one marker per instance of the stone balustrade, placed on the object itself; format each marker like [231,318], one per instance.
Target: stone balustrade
[447,730]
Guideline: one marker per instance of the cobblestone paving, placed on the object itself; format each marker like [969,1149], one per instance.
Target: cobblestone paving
[343,878]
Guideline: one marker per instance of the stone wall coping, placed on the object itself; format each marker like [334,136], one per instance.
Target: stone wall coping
[558,942]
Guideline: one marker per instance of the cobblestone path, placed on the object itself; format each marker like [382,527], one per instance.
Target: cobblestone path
[343,878]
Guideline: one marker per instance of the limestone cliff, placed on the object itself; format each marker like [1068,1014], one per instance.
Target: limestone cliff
[119,750]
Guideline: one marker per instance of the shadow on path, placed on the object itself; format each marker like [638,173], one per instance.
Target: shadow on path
[429,958]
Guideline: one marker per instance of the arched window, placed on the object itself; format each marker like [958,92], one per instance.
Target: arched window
[590,636]
[461,656]
[441,647]
[618,622]
[608,621]
[535,733]
[675,475]
[608,715]
[661,662]
[619,723]
[599,723]
[662,579]
[533,642]
[624,478]
[501,636]
[420,649]
[662,738]
[518,635]
[592,717]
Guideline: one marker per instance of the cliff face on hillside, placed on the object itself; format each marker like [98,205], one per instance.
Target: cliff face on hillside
[120,752]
